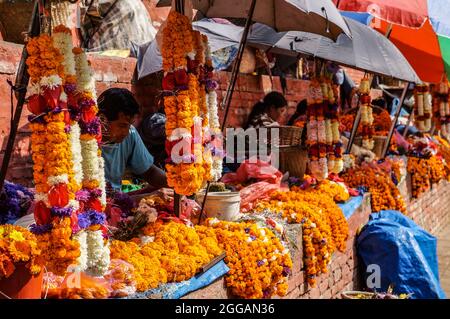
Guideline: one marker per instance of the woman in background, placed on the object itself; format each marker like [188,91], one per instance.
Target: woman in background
[267,112]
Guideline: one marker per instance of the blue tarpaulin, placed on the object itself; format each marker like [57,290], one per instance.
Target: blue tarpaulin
[405,253]
[350,206]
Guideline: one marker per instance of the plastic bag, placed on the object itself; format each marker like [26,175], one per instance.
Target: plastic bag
[121,278]
[256,192]
[260,170]
[405,254]
[75,285]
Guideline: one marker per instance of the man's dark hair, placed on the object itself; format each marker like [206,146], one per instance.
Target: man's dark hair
[117,100]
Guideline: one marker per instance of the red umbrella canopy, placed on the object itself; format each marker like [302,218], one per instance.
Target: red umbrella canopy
[408,13]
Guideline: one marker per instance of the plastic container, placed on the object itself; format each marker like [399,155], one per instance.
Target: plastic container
[222,205]
[21,284]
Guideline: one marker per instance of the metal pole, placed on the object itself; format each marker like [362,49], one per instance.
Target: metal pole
[237,64]
[21,84]
[394,122]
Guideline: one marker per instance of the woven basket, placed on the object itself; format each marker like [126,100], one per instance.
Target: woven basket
[293,159]
[287,135]
[379,142]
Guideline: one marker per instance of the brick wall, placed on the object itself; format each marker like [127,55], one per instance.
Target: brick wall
[343,273]
[431,210]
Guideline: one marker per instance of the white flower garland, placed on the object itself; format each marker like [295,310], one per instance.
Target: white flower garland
[90,162]
[63,42]
[98,254]
[75,146]
[55,180]
[102,181]
[86,81]
[81,238]
[52,81]
[328,132]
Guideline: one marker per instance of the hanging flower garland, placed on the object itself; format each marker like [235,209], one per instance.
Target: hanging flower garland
[422,108]
[55,185]
[92,196]
[184,101]
[332,132]
[316,132]
[441,108]
[366,115]
[213,115]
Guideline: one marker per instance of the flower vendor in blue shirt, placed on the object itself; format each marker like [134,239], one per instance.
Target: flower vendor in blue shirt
[122,147]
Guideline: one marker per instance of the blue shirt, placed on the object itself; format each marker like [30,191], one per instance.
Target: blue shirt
[130,153]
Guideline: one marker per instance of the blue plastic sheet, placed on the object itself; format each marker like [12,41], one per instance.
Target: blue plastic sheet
[180,289]
[350,206]
[405,253]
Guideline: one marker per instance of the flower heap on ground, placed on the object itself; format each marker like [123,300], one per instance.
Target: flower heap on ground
[259,263]
[316,132]
[384,193]
[325,228]
[89,222]
[441,108]
[176,254]
[424,172]
[18,245]
[185,101]
[332,133]
[53,169]
[422,108]
[366,115]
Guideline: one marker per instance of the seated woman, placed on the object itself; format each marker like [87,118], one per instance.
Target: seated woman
[267,113]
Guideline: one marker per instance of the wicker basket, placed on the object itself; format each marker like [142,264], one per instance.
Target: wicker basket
[287,135]
[379,142]
[293,159]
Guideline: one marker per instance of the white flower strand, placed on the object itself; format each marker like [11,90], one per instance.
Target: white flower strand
[98,254]
[77,159]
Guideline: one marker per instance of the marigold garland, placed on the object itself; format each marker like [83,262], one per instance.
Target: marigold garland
[425,172]
[259,263]
[325,228]
[384,194]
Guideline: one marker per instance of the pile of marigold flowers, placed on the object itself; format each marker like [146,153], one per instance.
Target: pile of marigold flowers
[424,172]
[259,263]
[382,123]
[325,228]
[18,245]
[384,193]
[175,254]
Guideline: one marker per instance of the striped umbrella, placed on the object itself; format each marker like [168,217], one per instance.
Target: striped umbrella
[419,28]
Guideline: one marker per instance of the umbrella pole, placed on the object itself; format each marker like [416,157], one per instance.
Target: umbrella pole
[20,87]
[394,122]
[237,64]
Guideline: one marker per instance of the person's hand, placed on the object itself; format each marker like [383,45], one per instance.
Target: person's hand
[166,194]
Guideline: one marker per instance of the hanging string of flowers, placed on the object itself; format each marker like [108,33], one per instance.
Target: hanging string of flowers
[316,132]
[441,108]
[92,196]
[367,118]
[213,114]
[184,100]
[55,185]
[422,107]
[332,133]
